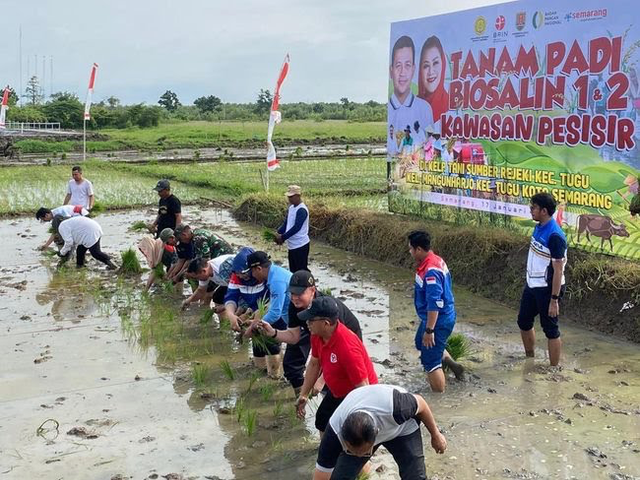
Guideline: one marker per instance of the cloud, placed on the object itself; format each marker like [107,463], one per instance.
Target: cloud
[202,47]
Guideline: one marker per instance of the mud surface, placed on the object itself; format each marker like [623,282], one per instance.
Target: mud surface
[100,382]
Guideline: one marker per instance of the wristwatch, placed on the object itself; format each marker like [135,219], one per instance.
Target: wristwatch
[275,334]
[555,297]
[428,330]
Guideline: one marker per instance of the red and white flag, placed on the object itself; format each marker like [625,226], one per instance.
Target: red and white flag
[4,107]
[275,117]
[92,81]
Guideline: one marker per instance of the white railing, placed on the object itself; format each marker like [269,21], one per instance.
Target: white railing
[37,126]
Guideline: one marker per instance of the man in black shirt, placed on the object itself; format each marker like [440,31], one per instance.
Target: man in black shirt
[169,209]
[302,288]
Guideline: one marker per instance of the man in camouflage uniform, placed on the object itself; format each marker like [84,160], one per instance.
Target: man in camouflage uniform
[196,243]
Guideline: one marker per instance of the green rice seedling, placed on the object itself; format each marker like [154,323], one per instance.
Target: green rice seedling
[138,226]
[130,262]
[49,252]
[193,284]
[239,408]
[227,369]
[326,291]
[261,342]
[207,316]
[268,235]
[252,380]
[250,422]
[278,408]
[263,307]
[267,390]
[458,346]
[158,271]
[199,372]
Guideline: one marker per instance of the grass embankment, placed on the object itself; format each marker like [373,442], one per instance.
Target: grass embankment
[358,182]
[213,134]
[488,261]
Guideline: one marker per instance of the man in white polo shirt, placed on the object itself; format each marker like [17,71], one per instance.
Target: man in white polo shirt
[295,231]
[376,415]
[213,279]
[84,234]
[79,190]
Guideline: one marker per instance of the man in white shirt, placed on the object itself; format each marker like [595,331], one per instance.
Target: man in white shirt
[376,415]
[84,234]
[294,231]
[66,211]
[213,279]
[79,190]
[404,108]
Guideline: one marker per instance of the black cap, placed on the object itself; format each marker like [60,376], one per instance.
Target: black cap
[320,307]
[162,185]
[256,259]
[300,281]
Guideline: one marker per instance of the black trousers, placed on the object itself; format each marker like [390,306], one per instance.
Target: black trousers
[299,258]
[295,360]
[406,451]
[95,252]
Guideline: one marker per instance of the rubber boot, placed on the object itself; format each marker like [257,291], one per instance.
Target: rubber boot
[260,362]
[455,367]
[274,366]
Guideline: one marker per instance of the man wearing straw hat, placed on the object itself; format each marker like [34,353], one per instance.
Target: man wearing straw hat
[295,230]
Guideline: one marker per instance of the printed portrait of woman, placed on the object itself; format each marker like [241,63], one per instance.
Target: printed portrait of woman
[431,74]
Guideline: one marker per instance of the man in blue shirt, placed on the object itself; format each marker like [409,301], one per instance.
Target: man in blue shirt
[295,230]
[545,278]
[277,281]
[433,298]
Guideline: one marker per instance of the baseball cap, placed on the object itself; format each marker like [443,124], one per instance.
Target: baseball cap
[293,190]
[256,259]
[162,185]
[320,307]
[240,260]
[300,281]
[165,234]
[179,229]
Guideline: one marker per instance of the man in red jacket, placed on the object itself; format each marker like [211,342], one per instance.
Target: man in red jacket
[338,353]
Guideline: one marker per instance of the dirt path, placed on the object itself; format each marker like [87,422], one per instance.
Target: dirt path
[115,371]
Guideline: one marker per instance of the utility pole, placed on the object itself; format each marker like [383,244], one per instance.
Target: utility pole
[44,77]
[51,75]
[20,55]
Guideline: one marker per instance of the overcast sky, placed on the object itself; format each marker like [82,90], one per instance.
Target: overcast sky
[231,49]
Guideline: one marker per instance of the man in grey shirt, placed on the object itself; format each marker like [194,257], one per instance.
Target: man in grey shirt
[371,416]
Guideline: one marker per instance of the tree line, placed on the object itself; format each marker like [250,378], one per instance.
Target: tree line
[67,109]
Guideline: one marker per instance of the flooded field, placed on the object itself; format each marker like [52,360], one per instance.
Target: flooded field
[101,381]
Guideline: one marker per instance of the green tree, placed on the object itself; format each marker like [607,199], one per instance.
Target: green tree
[263,103]
[113,102]
[34,91]
[66,109]
[169,100]
[208,104]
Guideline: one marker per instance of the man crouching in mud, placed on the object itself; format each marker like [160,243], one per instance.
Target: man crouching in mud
[433,299]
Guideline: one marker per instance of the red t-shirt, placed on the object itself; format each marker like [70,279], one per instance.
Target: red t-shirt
[344,361]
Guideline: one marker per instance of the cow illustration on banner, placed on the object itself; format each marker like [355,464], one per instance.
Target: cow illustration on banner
[489,106]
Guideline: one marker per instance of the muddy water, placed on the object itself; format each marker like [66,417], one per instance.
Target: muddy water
[144,388]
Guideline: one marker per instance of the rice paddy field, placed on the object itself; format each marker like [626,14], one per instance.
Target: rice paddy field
[358,182]
[200,134]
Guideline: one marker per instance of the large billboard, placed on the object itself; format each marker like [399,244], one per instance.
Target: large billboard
[491,105]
